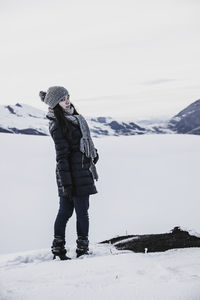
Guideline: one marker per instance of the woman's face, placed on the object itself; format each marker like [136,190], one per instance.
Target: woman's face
[65,102]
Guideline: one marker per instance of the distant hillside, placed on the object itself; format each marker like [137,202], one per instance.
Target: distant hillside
[25,119]
[187,120]
[22,118]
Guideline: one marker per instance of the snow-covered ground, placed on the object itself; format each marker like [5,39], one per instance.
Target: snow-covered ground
[174,274]
[147,184]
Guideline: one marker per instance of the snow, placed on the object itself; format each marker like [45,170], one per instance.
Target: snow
[126,240]
[24,116]
[147,184]
[173,274]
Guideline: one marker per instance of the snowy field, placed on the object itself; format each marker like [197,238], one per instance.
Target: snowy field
[170,275]
[147,184]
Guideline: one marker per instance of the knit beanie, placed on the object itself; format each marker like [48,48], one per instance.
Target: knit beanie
[53,95]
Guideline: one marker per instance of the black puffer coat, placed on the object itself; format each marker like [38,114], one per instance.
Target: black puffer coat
[72,167]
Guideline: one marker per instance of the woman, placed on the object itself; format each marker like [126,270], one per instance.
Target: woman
[76,157]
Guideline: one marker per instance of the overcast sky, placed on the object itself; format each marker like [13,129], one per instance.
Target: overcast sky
[137,58]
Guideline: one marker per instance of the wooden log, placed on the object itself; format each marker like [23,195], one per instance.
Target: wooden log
[177,238]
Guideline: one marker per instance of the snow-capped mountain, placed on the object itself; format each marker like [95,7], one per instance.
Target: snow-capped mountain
[22,118]
[187,120]
[25,119]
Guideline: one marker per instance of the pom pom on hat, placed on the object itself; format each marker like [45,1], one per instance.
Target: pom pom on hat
[42,95]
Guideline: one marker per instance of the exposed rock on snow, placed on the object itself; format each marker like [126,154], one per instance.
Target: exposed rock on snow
[177,238]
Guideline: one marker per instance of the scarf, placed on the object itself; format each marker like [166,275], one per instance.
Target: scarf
[86,142]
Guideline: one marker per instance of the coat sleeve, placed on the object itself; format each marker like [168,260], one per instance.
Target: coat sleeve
[62,154]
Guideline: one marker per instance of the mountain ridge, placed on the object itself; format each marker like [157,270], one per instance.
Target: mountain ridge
[25,119]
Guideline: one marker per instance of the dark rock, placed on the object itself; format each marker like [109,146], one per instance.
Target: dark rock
[158,130]
[187,120]
[26,131]
[177,238]
[4,130]
[17,104]
[101,119]
[126,128]
[116,126]
[11,110]
[34,116]
[99,131]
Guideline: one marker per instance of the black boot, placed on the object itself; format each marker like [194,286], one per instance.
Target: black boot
[82,246]
[58,248]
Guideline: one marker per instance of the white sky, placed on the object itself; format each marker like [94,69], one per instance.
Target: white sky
[116,57]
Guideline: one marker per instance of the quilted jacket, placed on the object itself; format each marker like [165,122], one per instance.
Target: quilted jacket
[72,166]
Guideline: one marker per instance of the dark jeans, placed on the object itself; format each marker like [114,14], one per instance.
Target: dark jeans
[81,205]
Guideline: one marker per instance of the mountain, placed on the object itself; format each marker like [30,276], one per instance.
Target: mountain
[22,118]
[187,120]
[25,119]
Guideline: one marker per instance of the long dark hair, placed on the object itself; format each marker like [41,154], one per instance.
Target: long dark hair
[63,121]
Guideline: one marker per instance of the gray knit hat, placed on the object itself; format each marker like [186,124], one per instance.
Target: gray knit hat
[53,95]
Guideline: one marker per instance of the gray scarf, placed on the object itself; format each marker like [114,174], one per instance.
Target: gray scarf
[86,142]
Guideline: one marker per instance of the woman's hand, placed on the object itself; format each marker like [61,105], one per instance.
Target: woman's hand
[95,159]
